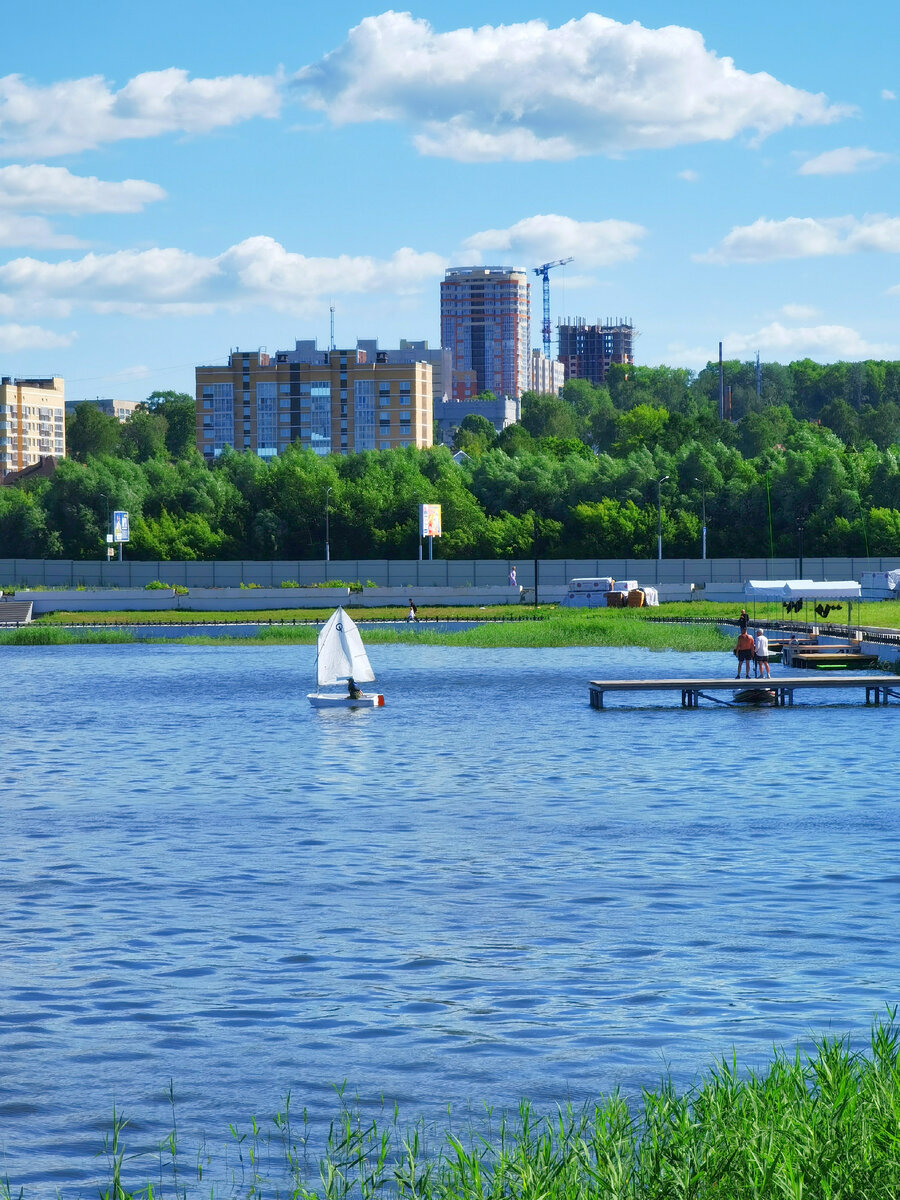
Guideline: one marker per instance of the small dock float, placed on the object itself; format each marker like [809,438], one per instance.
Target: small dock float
[878,688]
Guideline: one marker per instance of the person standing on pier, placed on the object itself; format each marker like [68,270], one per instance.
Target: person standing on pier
[743,620]
[761,655]
[744,652]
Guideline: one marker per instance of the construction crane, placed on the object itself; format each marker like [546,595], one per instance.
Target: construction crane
[544,272]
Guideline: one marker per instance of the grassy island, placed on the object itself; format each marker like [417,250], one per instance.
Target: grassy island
[809,1127]
[545,626]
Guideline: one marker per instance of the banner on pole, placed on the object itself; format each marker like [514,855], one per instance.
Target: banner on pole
[429,520]
[120,527]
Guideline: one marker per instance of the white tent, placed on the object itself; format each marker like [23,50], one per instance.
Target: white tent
[771,589]
[802,589]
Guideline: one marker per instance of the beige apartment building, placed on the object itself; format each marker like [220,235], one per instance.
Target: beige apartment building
[32,422]
[331,401]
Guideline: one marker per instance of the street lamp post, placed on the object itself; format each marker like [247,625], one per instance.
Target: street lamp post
[107,539]
[327,540]
[703,489]
[800,528]
[659,484]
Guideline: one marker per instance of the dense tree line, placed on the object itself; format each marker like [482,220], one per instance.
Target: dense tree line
[813,459]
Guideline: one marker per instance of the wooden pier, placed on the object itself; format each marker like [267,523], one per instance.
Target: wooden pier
[878,688]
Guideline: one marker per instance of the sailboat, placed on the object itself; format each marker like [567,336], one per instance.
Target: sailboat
[341,656]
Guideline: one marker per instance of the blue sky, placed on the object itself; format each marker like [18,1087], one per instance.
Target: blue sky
[184,178]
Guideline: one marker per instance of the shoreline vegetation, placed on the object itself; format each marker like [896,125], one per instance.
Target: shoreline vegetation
[671,627]
[811,1124]
[544,627]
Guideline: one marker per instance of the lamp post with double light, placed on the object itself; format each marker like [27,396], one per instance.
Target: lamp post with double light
[327,540]
[703,490]
[659,484]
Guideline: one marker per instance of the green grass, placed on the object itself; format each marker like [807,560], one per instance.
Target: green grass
[43,635]
[818,1126]
[548,628]
[500,612]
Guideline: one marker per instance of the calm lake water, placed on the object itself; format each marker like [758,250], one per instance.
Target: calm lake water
[485,890]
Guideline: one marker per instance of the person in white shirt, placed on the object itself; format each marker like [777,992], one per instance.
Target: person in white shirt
[761,655]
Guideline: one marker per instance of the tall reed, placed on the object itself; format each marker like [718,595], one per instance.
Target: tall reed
[818,1126]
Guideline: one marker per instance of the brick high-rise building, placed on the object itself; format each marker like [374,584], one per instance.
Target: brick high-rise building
[586,351]
[332,401]
[486,324]
[32,422]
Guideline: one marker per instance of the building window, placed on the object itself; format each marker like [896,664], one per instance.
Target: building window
[320,416]
[364,414]
[265,417]
[223,414]
[384,445]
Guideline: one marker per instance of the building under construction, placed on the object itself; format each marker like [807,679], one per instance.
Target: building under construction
[587,351]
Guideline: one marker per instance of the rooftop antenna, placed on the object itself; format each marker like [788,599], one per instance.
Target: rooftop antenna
[544,271]
[331,344]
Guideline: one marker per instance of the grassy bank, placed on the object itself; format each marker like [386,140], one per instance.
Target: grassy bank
[882,615]
[544,628]
[46,635]
[809,1127]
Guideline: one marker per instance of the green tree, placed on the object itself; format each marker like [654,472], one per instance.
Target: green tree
[90,432]
[180,412]
[144,436]
[547,416]
[474,435]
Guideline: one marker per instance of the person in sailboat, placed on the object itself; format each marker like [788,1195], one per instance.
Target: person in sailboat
[353,691]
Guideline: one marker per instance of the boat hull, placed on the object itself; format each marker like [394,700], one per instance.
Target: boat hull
[755,696]
[367,700]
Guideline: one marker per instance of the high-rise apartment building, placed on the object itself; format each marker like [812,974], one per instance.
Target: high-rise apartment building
[587,351]
[410,352]
[332,401]
[32,421]
[547,376]
[486,324]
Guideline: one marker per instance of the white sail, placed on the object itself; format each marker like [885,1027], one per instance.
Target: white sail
[341,652]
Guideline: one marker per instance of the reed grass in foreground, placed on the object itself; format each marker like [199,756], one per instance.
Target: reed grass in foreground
[824,1126]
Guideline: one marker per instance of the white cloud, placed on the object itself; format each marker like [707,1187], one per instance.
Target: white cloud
[805,237]
[887,94]
[540,238]
[173,282]
[845,161]
[781,343]
[80,114]
[799,312]
[688,175]
[527,92]
[831,342]
[32,337]
[41,189]
[34,232]
[157,275]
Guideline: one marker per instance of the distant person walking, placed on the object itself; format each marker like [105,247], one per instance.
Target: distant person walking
[411,615]
[744,652]
[761,655]
[513,582]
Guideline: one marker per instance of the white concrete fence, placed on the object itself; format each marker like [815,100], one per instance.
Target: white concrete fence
[404,574]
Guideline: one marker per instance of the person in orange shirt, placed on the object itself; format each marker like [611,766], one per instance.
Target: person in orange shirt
[744,652]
